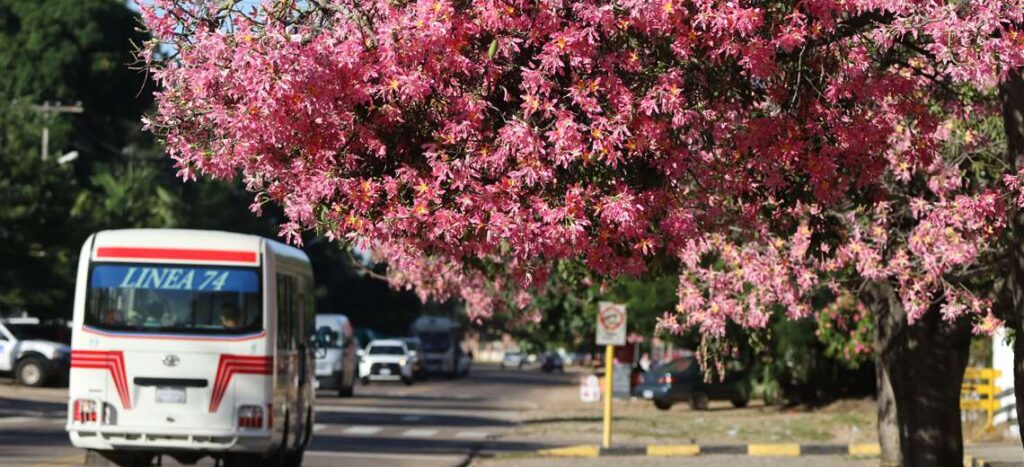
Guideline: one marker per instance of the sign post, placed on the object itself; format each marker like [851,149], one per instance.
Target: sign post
[611,331]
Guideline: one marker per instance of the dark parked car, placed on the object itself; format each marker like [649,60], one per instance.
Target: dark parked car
[682,380]
[551,361]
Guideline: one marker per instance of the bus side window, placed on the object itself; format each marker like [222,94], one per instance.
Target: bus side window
[285,292]
[298,319]
[310,308]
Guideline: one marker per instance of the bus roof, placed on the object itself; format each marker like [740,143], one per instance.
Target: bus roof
[185,245]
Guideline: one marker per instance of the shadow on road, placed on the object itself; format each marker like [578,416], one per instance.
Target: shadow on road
[447,420]
[402,445]
[12,407]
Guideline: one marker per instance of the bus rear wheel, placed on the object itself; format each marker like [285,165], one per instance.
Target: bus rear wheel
[240,459]
[119,458]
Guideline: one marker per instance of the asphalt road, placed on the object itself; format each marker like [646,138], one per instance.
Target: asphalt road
[437,422]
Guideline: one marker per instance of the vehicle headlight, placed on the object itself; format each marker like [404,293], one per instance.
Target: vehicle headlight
[401,362]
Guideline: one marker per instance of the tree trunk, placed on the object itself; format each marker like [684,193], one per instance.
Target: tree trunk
[888,425]
[925,363]
[1011,93]
[888,314]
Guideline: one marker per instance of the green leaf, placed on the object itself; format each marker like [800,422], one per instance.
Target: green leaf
[493,49]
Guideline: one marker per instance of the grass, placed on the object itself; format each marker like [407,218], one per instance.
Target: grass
[639,422]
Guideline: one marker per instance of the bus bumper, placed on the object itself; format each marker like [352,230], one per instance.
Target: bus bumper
[114,438]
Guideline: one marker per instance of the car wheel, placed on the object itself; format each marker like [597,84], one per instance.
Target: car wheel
[739,403]
[699,401]
[502,366]
[346,391]
[662,404]
[366,381]
[31,371]
[407,381]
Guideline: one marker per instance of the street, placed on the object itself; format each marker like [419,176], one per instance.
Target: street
[480,420]
[434,422]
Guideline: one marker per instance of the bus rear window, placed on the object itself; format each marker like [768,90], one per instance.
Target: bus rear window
[175,299]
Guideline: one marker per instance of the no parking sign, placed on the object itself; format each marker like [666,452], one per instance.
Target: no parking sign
[611,323]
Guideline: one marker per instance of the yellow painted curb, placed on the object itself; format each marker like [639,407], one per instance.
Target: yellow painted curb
[773,450]
[585,450]
[865,449]
[671,450]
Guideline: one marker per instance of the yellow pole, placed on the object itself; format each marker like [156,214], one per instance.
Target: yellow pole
[609,354]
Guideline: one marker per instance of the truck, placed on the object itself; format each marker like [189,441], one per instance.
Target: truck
[440,345]
[36,353]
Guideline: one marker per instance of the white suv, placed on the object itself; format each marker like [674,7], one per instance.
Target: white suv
[34,351]
[386,359]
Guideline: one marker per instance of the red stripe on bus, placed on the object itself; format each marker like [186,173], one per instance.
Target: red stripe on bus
[113,362]
[229,366]
[175,253]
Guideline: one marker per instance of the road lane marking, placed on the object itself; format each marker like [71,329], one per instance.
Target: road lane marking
[74,459]
[419,433]
[19,420]
[318,427]
[374,455]
[362,430]
[471,434]
[423,411]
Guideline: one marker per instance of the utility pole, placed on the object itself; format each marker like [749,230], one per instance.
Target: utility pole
[49,110]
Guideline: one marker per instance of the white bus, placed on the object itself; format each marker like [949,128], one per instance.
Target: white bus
[191,343]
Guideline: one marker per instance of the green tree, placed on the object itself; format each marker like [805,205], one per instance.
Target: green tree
[69,51]
[128,196]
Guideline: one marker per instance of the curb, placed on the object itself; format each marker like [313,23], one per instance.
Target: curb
[755,450]
[971,461]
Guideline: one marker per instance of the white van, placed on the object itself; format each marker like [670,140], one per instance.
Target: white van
[337,362]
[191,343]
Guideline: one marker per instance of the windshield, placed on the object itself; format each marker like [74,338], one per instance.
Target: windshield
[435,342]
[44,332]
[177,299]
[386,350]
[328,338]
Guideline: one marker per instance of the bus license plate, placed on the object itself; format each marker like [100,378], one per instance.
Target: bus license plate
[170,395]
[385,371]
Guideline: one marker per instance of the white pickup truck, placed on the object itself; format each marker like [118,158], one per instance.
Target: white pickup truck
[34,352]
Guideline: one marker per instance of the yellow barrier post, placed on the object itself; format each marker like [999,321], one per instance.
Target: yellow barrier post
[609,354]
[979,385]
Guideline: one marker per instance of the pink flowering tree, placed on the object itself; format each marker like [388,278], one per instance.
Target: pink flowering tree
[473,145]
[922,259]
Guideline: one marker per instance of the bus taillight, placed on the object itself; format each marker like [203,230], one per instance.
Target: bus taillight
[84,411]
[250,416]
